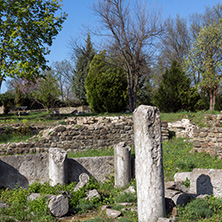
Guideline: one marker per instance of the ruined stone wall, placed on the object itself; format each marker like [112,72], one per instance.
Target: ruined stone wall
[25,169]
[208,140]
[81,133]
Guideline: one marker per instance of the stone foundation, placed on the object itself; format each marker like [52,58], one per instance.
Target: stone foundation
[80,134]
[208,140]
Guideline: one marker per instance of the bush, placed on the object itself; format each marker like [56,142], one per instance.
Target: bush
[200,209]
[175,92]
[106,85]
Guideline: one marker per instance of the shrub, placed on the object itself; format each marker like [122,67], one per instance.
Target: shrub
[175,92]
[200,209]
[106,85]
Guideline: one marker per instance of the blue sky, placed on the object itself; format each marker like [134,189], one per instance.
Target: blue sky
[80,14]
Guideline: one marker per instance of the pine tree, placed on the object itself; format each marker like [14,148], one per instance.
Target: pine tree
[82,68]
[175,92]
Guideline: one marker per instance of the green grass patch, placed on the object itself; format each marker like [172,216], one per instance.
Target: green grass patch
[92,152]
[177,157]
[194,117]
[13,138]
[97,152]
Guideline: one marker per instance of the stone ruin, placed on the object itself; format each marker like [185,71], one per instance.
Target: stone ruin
[153,197]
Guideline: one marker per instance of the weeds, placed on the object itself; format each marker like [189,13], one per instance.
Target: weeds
[201,210]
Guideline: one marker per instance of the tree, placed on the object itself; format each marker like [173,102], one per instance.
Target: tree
[18,96]
[175,42]
[205,58]
[84,58]
[64,73]
[46,91]
[197,22]
[26,29]
[131,32]
[7,99]
[174,92]
[106,86]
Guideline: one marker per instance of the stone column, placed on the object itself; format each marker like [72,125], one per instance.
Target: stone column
[122,164]
[149,164]
[57,166]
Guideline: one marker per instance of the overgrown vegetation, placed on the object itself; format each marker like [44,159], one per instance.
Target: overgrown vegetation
[20,209]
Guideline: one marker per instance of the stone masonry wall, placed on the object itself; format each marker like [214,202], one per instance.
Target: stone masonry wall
[27,169]
[208,140]
[80,133]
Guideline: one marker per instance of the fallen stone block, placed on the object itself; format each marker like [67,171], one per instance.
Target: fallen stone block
[182,176]
[58,205]
[112,213]
[33,196]
[206,181]
[130,189]
[93,194]
[163,219]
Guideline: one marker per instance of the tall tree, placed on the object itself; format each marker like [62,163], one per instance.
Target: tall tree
[64,72]
[46,90]
[175,42]
[131,31]
[27,27]
[84,57]
[106,85]
[205,58]
[174,92]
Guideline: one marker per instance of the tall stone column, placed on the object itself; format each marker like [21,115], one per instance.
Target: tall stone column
[149,164]
[57,166]
[122,164]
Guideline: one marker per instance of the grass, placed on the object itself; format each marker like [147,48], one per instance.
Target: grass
[194,117]
[92,152]
[44,117]
[177,157]
[13,138]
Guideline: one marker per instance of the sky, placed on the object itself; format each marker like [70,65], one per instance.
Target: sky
[80,15]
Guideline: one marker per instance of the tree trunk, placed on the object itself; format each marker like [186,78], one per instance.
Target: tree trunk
[132,98]
[212,93]
[1,79]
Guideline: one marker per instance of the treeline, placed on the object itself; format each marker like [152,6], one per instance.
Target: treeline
[174,64]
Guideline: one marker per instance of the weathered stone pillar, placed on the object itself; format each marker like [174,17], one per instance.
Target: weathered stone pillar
[57,166]
[122,164]
[149,164]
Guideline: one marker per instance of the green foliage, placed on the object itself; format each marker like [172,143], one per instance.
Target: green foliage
[174,92]
[82,69]
[26,29]
[47,91]
[126,197]
[106,85]
[200,209]
[204,59]
[18,96]
[7,99]
[144,93]
[186,183]
[21,210]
